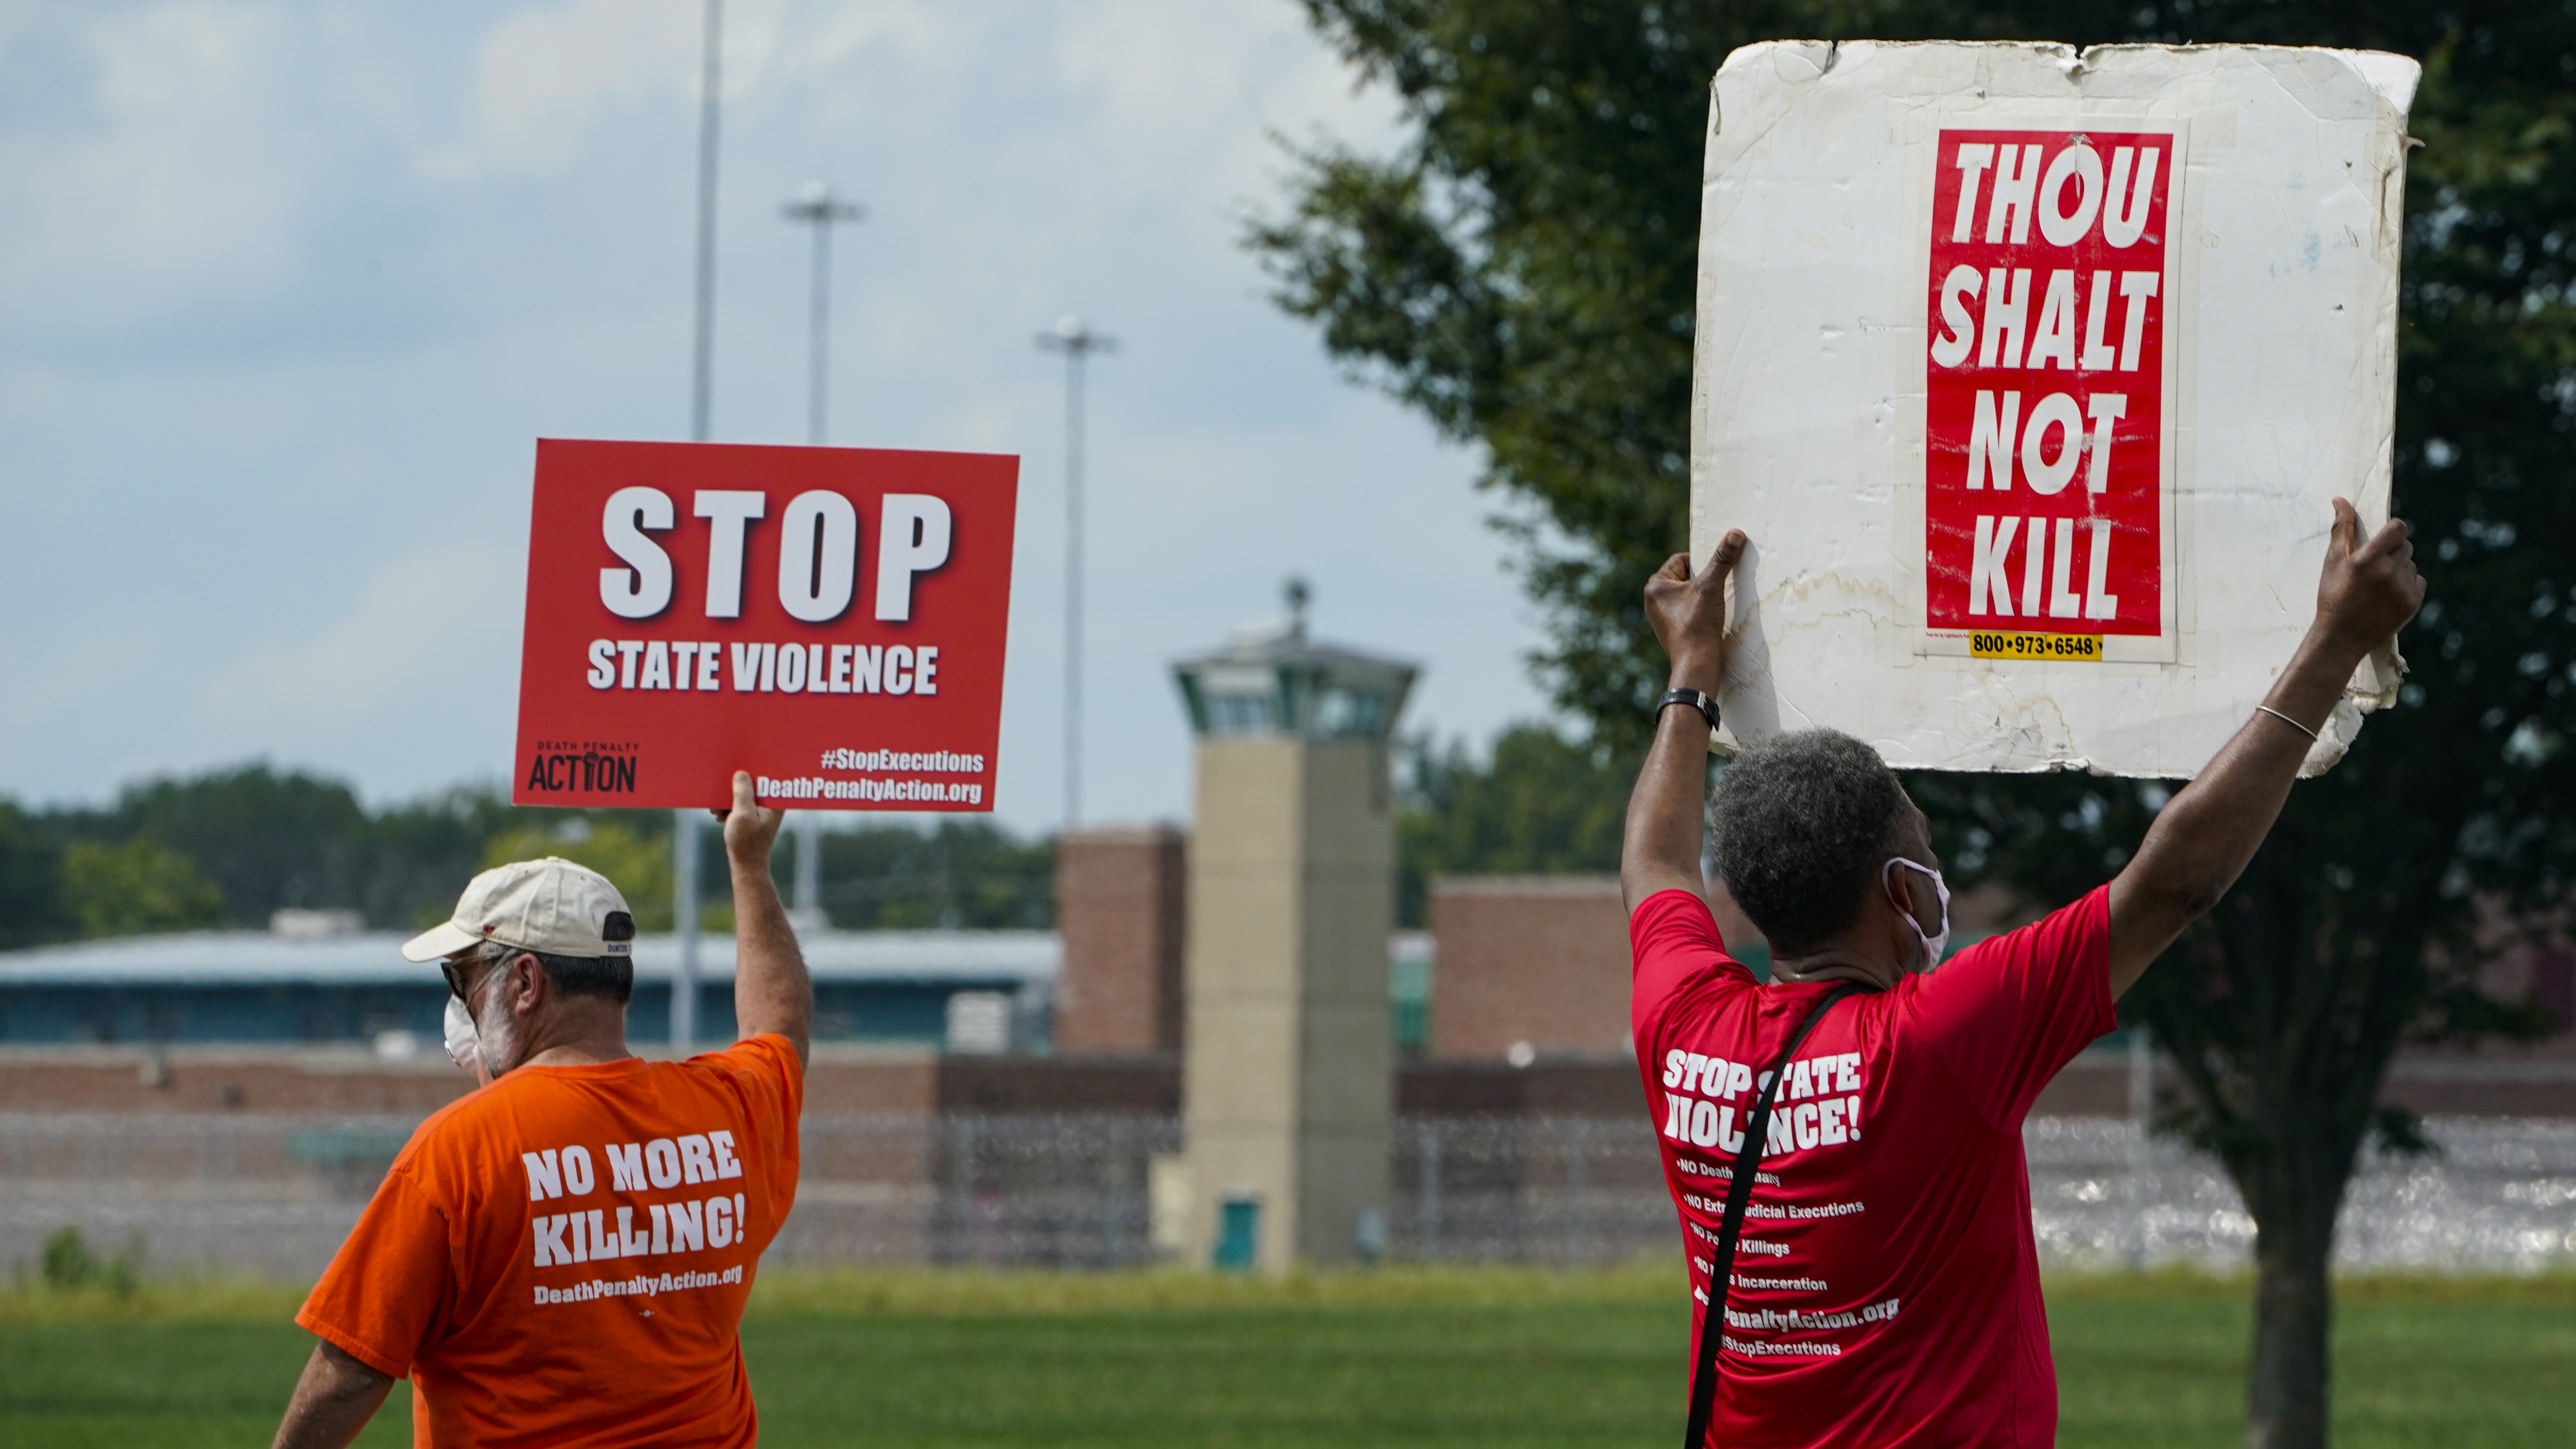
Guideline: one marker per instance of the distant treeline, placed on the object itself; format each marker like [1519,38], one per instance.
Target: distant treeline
[1540,803]
[231,847]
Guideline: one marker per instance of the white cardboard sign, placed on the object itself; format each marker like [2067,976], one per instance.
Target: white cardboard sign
[2031,374]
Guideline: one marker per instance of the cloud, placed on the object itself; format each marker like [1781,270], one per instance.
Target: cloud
[170,187]
[549,77]
[1208,85]
[828,35]
[314,274]
[428,629]
[546,77]
[91,671]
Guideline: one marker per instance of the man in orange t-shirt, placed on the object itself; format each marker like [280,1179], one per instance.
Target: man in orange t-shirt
[563,1256]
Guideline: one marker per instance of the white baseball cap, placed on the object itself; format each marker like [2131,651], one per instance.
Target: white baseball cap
[549,905]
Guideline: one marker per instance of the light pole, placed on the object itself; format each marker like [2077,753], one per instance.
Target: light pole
[684,825]
[816,207]
[1075,339]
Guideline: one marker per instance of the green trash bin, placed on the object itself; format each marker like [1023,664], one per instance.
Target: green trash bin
[1238,1234]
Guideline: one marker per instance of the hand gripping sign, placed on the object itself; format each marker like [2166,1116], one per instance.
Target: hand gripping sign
[2031,375]
[830,619]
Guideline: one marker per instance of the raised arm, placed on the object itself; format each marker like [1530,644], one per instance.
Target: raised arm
[771,991]
[1666,813]
[2202,840]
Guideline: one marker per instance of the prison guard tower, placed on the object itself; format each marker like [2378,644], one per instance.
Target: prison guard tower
[1287,1068]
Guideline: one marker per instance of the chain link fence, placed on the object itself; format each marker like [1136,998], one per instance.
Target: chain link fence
[275,1194]
[1027,1191]
[2499,1195]
[1549,1190]
[264,1194]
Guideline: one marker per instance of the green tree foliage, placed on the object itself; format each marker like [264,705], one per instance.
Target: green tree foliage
[638,864]
[31,896]
[67,1264]
[958,874]
[137,887]
[272,838]
[1521,271]
[268,839]
[410,860]
[1542,804]
[265,838]
[1522,275]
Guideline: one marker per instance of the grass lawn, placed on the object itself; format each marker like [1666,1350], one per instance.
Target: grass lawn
[1489,1358]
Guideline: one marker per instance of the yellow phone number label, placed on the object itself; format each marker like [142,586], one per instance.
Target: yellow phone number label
[2034,646]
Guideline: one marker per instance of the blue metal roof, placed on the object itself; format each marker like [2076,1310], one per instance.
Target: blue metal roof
[374,958]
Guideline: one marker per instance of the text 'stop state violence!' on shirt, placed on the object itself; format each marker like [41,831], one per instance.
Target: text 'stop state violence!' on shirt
[1886,1288]
[565,1255]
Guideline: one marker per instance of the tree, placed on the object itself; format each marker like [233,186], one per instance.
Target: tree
[637,863]
[969,874]
[1541,805]
[267,839]
[411,860]
[137,888]
[1521,272]
[31,903]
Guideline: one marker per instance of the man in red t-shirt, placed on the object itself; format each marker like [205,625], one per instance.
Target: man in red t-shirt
[1885,1288]
[563,1256]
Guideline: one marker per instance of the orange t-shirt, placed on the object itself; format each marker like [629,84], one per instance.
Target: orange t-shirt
[564,1256]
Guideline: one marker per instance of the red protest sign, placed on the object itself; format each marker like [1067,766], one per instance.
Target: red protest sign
[2045,476]
[830,619]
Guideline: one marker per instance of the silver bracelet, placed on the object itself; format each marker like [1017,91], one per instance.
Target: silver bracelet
[2285,719]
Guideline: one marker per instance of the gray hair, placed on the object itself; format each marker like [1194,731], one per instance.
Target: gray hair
[1803,823]
[609,976]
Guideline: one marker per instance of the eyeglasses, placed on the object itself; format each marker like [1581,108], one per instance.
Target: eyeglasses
[455,978]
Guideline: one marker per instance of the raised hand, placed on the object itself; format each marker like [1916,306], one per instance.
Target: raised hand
[2368,591]
[1689,613]
[750,828]
[2201,841]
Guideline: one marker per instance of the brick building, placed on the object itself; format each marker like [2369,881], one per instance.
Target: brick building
[1529,968]
[1520,1130]
[1121,896]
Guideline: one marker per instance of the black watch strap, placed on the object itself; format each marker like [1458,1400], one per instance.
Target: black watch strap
[1706,704]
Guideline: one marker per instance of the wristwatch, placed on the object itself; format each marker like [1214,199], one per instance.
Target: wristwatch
[1706,704]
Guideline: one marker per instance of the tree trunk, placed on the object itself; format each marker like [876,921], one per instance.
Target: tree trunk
[2293,1311]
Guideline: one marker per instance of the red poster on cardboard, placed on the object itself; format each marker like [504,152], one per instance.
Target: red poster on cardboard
[830,619]
[2045,476]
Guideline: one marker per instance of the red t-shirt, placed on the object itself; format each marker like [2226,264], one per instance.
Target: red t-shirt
[1886,1289]
[563,1257]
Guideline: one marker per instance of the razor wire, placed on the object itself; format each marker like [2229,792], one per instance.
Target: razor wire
[275,1194]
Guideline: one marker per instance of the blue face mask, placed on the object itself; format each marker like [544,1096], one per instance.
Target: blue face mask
[1935,942]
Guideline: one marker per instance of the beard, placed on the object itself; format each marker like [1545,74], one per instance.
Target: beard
[496,1034]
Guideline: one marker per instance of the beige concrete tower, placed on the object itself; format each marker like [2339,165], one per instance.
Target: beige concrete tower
[1287,1075]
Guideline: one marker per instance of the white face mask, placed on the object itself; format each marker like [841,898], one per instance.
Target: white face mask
[462,1047]
[1938,941]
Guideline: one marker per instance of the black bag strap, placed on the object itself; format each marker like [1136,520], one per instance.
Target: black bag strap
[1739,1195]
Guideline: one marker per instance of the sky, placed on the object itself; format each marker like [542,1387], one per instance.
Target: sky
[288,290]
